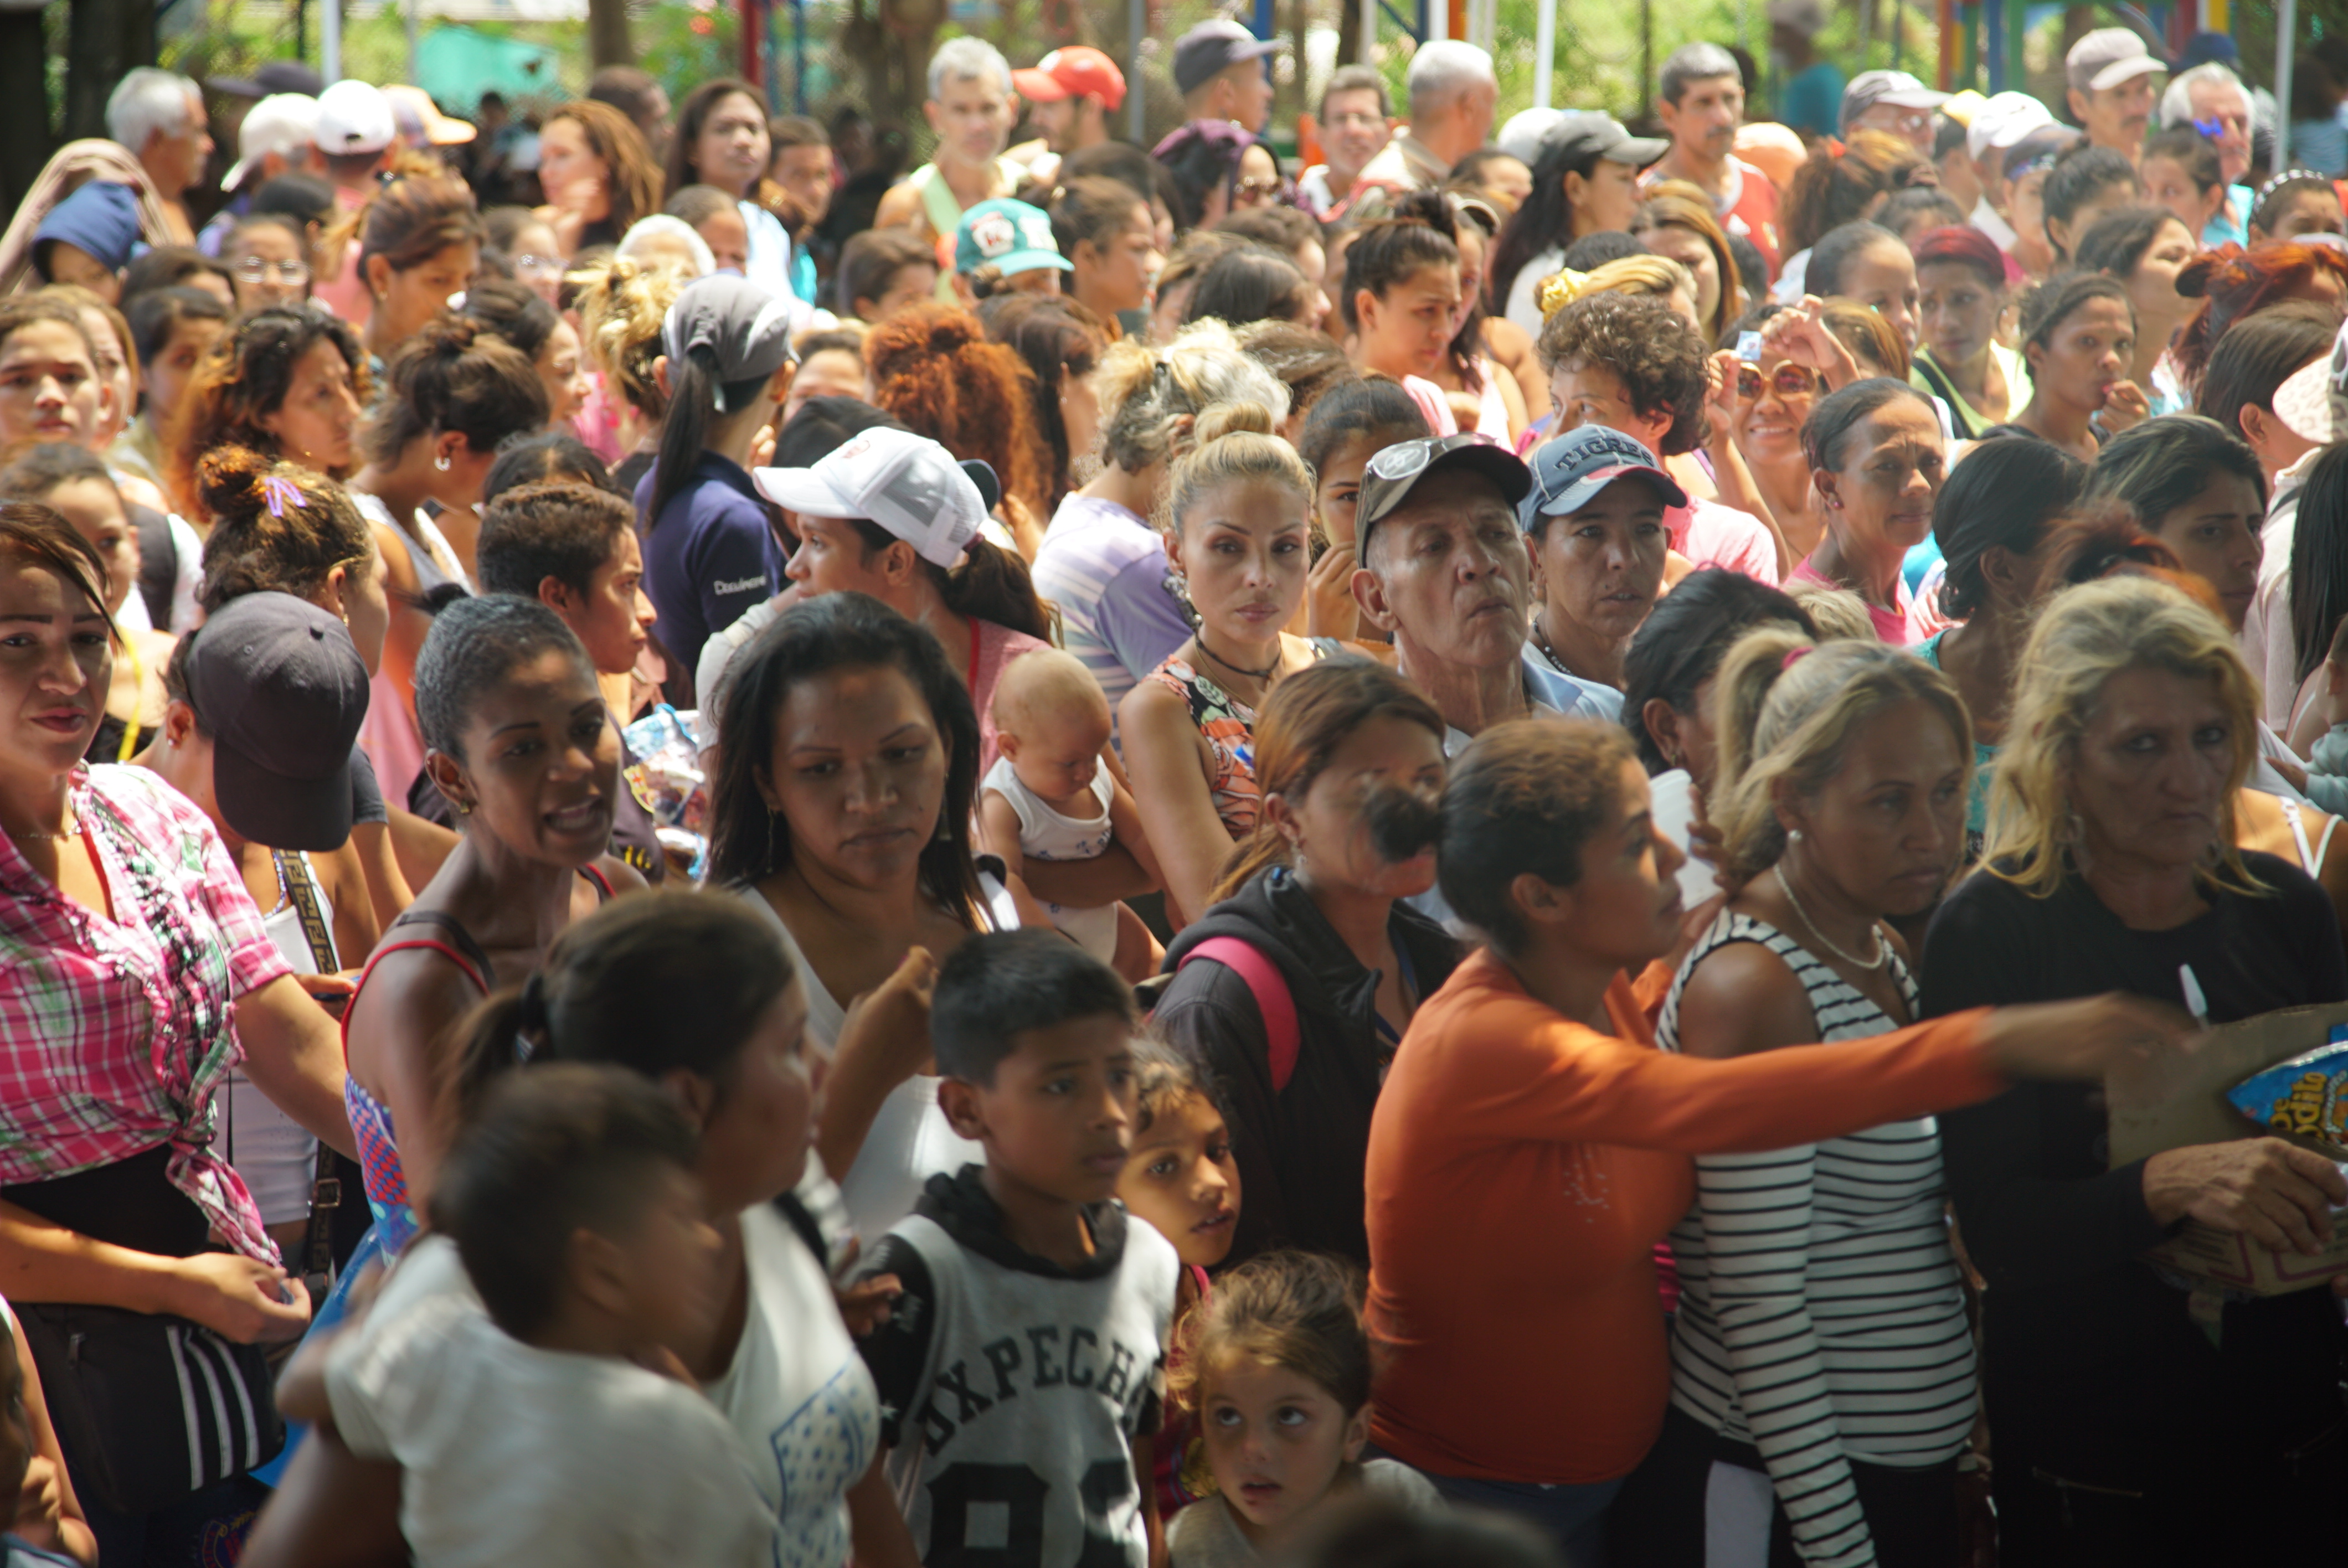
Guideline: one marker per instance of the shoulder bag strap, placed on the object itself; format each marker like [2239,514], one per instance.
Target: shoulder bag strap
[1282,1032]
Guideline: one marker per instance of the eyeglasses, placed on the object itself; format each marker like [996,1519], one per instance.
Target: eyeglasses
[1788,380]
[1259,185]
[1404,458]
[525,262]
[253,270]
[1357,121]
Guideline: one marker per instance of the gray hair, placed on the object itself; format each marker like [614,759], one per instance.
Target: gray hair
[1695,63]
[966,59]
[1444,70]
[639,240]
[2177,101]
[147,100]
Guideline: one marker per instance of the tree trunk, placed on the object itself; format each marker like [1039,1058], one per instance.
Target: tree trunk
[24,105]
[105,39]
[608,43]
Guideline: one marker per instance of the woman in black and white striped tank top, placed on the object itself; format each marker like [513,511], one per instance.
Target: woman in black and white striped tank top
[1823,1376]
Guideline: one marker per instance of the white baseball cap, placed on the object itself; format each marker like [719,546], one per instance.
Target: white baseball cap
[282,123]
[1520,139]
[2002,121]
[908,484]
[354,116]
[2109,56]
[2312,400]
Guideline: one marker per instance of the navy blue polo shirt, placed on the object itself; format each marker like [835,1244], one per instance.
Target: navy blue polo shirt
[709,558]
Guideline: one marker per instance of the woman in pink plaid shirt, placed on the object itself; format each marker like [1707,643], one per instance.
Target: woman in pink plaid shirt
[134,974]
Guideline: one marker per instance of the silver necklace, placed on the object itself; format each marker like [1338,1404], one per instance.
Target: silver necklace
[1882,948]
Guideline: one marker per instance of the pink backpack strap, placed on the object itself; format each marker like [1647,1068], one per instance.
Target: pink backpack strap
[1281,1033]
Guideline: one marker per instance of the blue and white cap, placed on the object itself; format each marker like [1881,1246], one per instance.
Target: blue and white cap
[1569,472]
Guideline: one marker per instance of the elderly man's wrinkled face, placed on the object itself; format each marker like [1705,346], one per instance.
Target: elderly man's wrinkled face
[1447,573]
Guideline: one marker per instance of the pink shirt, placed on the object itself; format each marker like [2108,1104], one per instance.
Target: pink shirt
[1890,625]
[993,647]
[1710,534]
[346,294]
[116,1035]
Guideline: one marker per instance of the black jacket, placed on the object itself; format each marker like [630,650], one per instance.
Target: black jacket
[1301,1153]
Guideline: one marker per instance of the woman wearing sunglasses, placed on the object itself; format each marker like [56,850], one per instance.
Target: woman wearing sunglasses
[1768,396]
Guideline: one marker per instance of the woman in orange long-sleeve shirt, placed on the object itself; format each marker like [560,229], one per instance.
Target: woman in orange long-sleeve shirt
[1530,1146]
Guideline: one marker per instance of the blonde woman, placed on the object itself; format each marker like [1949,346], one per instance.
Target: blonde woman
[1237,538]
[1102,561]
[2111,865]
[620,313]
[1822,1345]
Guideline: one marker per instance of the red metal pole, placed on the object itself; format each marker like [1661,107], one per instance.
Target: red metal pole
[1945,17]
[754,52]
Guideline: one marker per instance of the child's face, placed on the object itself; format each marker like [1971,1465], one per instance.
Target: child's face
[15,1425]
[1056,754]
[754,1139]
[1276,1440]
[1180,1177]
[670,1255]
[1058,1118]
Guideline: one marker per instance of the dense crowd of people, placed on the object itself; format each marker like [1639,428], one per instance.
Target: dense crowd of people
[713,854]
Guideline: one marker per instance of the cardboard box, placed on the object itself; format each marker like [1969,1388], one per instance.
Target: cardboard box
[2181,1101]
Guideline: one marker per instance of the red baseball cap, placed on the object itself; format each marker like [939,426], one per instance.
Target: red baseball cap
[1070,73]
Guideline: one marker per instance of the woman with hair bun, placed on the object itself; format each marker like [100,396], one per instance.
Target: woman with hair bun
[1103,561]
[1237,539]
[545,337]
[454,392]
[1821,1338]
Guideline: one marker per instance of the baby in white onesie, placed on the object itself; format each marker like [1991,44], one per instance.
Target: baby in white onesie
[1049,798]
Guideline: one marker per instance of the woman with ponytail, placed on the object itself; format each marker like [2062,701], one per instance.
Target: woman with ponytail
[923,558]
[455,390]
[1339,748]
[1401,302]
[1528,1123]
[710,551]
[694,991]
[620,312]
[1822,1342]
[1237,543]
[519,739]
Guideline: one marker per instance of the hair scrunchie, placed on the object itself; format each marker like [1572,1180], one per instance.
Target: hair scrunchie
[1560,290]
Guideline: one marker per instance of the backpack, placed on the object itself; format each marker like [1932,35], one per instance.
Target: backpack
[1273,1003]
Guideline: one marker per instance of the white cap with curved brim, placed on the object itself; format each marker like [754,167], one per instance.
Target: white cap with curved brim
[2312,400]
[908,484]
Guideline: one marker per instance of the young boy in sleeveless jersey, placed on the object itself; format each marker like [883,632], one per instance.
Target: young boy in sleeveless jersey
[1021,1368]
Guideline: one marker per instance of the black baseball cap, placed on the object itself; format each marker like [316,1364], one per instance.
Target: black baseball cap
[1569,472]
[276,77]
[281,688]
[1394,471]
[1212,46]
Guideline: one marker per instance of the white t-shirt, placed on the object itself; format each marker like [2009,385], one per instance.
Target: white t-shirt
[798,1396]
[1523,307]
[515,1456]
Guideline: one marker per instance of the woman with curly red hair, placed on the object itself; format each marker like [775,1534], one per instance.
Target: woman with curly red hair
[2232,283]
[932,368]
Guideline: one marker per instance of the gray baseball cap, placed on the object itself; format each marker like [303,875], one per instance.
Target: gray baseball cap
[1394,471]
[277,683]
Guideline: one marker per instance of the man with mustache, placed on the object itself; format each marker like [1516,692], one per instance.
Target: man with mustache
[1701,104]
[2111,92]
[1447,571]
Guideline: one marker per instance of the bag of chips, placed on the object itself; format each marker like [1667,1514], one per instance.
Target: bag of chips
[2305,1097]
[667,781]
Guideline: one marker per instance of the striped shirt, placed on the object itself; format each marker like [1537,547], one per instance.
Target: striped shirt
[1104,569]
[1821,1318]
